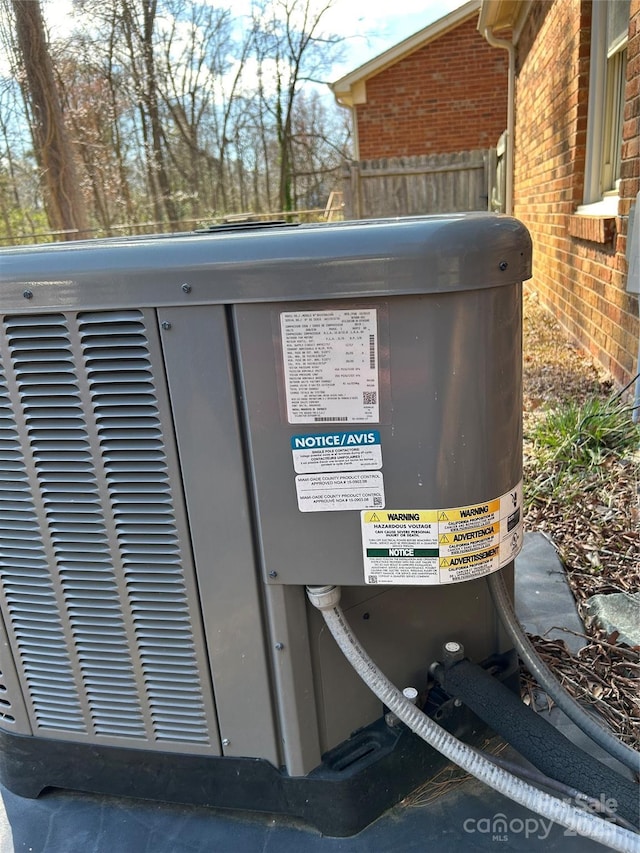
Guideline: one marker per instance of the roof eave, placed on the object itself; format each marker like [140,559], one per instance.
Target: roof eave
[497,15]
[346,87]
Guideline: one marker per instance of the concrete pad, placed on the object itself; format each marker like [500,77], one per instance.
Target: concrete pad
[543,599]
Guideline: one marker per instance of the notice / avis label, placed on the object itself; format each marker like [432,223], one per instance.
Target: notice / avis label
[331,365]
[337,451]
[440,546]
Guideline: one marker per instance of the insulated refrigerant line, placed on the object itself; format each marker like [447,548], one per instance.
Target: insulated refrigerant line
[546,679]
[326,599]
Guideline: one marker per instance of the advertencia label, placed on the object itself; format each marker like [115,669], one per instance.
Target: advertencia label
[340,491]
[337,451]
[331,365]
[440,546]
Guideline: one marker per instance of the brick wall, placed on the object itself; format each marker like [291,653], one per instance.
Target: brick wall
[450,95]
[630,169]
[579,268]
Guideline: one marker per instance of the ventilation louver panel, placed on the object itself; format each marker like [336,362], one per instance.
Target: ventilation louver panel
[93,564]
[124,397]
[27,586]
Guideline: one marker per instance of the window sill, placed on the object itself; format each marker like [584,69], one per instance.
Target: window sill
[594,228]
[606,206]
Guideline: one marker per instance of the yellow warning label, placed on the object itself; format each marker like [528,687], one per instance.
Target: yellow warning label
[469,559]
[444,545]
[400,516]
[463,536]
[466,513]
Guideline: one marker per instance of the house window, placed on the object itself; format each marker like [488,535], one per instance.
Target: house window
[609,36]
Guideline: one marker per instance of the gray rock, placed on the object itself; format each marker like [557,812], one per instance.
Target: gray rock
[617,611]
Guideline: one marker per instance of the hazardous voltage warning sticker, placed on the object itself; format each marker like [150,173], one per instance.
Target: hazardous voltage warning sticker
[439,546]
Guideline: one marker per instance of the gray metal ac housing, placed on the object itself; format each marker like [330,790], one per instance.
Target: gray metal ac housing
[154,536]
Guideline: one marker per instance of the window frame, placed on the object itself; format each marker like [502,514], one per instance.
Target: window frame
[604,118]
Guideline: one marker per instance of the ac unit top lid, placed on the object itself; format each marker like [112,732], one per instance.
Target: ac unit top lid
[355,259]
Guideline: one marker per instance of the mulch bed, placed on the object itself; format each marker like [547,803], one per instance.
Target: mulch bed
[596,533]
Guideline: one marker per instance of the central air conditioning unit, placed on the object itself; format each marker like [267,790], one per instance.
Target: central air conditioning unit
[193,428]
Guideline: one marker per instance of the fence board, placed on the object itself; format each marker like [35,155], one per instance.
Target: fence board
[405,186]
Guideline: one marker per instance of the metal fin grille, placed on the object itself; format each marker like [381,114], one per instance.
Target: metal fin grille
[6,708]
[125,406]
[28,588]
[94,571]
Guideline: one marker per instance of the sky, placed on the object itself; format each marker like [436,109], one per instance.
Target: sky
[372,28]
[369,26]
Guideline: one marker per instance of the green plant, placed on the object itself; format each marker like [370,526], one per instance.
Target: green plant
[569,450]
[577,436]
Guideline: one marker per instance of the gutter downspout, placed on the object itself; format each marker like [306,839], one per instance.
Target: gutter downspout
[507,45]
[356,189]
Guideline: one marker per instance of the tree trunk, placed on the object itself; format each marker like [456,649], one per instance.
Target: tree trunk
[65,205]
[149,13]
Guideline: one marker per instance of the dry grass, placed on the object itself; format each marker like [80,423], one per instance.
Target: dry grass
[555,370]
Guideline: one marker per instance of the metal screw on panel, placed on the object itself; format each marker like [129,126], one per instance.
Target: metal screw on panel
[391,720]
[27,294]
[226,741]
[186,288]
[411,694]
[503,265]
[279,647]
[166,325]
[273,574]
[452,652]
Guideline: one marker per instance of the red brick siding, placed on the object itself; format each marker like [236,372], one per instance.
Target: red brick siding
[583,282]
[450,95]
[630,181]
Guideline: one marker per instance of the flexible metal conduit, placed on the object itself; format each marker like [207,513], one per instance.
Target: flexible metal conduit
[546,679]
[326,599]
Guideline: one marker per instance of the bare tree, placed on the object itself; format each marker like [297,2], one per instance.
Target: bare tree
[198,83]
[64,200]
[171,109]
[138,19]
[290,37]
[319,142]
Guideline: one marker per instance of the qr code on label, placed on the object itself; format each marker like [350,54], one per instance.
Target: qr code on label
[377,500]
[373,579]
[369,398]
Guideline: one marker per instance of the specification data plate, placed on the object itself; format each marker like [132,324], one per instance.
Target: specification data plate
[331,365]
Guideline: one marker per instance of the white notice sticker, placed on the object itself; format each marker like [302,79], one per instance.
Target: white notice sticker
[356,450]
[331,365]
[346,490]
[441,546]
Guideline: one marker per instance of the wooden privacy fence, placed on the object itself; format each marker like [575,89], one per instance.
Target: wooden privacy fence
[405,186]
